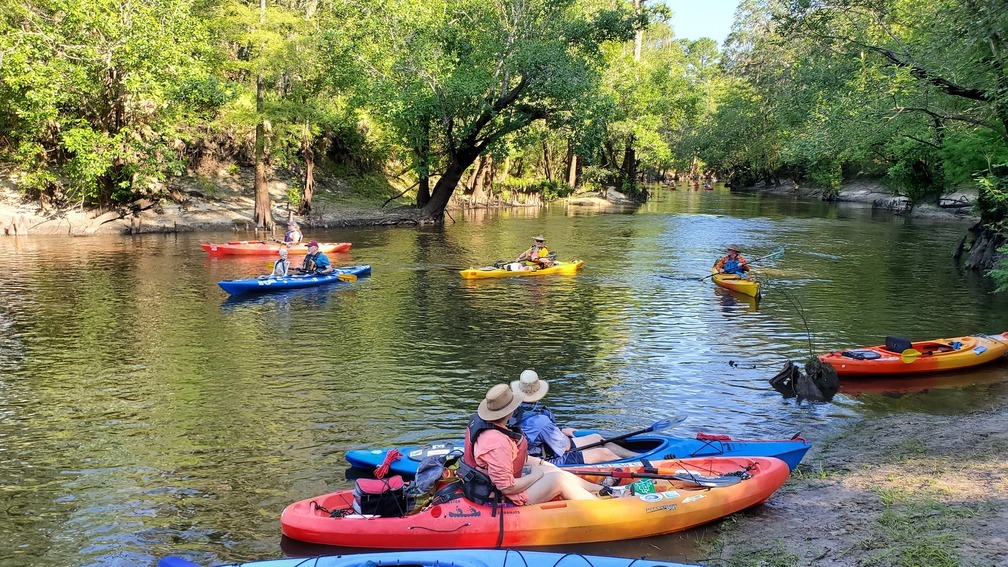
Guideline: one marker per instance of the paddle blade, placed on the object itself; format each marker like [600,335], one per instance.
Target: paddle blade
[666,423]
[774,254]
[346,277]
[910,355]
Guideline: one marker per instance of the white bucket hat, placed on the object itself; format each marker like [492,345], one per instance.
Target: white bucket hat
[531,386]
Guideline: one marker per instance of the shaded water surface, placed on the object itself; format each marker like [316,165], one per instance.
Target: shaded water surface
[143,413]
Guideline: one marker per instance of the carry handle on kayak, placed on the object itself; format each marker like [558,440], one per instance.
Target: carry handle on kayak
[656,426]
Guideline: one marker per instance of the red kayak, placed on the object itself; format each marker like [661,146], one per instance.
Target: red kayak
[262,248]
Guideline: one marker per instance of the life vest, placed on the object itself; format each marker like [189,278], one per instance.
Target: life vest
[309,263]
[286,267]
[732,267]
[476,484]
[289,236]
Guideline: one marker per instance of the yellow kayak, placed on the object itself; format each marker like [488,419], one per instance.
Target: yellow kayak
[746,286]
[562,268]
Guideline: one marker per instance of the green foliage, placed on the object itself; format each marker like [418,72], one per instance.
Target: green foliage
[999,273]
[992,202]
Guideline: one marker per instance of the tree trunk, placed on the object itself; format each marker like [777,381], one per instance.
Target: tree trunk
[445,186]
[629,167]
[547,162]
[309,185]
[478,196]
[263,210]
[422,152]
[571,163]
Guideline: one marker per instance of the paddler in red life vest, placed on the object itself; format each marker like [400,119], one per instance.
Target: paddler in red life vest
[733,263]
[496,468]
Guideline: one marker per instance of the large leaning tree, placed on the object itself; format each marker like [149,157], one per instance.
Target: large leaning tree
[454,77]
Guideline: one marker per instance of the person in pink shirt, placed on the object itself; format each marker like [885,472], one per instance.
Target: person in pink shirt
[496,468]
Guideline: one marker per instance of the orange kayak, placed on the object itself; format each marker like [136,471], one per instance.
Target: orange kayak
[261,248]
[900,356]
[674,505]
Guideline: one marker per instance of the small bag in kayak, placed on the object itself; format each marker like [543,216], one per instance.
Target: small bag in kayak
[385,497]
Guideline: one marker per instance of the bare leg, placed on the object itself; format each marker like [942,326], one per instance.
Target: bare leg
[611,448]
[558,483]
[551,468]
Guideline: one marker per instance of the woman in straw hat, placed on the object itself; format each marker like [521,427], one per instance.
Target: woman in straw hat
[495,465]
[545,438]
[732,263]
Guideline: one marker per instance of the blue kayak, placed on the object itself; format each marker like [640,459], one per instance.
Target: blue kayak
[649,446]
[266,284]
[447,558]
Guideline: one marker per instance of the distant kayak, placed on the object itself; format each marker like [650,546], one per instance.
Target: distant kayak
[563,268]
[262,248]
[446,558]
[745,286]
[901,356]
[649,445]
[267,284]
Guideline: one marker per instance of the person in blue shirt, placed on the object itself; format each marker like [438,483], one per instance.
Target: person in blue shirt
[548,441]
[732,263]
[315,263]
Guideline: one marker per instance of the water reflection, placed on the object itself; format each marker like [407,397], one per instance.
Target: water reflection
[145,413]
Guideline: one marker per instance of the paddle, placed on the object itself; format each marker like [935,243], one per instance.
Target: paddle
[773,255]
[656,426]
[910,355]
[683,476]
[340,276]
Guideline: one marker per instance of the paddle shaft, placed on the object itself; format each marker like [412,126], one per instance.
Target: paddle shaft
[707,481]
[666,423]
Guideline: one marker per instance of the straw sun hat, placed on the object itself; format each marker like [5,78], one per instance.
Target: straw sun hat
[500,401]
[530,386]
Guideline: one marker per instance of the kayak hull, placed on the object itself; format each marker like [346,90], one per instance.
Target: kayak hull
[446,558]
[561,268]
[935,356]
[650,446]
[745,286]
[460,523]
[259,248]
[267,284]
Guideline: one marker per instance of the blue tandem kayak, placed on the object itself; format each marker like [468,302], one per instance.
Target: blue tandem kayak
[650,446]
[447,558]
[267,284]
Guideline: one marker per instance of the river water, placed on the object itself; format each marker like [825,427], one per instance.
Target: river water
[143,413]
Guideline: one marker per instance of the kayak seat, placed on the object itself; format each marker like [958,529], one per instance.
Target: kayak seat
[861,354]
[897,344]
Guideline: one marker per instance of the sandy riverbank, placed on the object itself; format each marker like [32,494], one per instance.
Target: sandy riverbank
[902,489]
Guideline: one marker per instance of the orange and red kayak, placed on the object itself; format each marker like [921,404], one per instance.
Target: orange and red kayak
[262,248]
[674,505]
[900,356]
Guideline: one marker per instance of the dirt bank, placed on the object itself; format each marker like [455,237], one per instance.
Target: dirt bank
[955,206]
[193,204]
[898,490]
